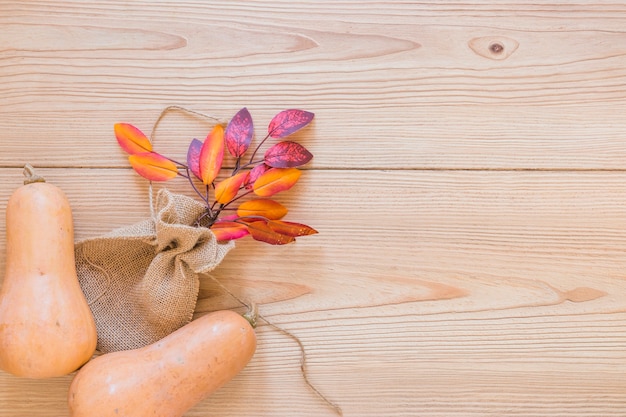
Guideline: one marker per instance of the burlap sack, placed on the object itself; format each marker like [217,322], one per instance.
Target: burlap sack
[141,281]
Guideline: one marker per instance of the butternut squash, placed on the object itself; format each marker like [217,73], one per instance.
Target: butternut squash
[168,377]
[46,326]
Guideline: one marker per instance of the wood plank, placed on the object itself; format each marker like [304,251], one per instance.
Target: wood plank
[468,186]
[411,86]
[502,292]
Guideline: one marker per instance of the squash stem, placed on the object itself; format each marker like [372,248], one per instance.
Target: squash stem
[252,314]
[31,176]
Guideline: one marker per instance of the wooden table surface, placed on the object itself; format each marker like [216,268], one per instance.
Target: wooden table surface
[469,187]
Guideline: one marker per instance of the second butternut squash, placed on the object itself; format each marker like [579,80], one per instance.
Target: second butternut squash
[168,377]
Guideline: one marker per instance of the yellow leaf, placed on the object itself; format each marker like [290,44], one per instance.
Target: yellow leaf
[212,155]
[153,166]
[227,189]
[268,209]
[276,180]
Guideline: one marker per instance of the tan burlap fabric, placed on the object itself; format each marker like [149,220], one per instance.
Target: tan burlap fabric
[141,281]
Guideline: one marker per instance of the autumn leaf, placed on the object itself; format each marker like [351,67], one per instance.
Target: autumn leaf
[153,166]
[212,155]
[290,228]
[193,157]
[131,139]
[227,230]
[276,180]
[254,174]
[288,121]
[260,217]
[262,232]
[229,218]
[227,189]
[287,154]
[269,209]
[239,132]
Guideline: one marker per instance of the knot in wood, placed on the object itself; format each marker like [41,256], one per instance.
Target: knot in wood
[496,48]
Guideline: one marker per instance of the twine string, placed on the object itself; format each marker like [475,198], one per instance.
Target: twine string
[253,310]
[253,314]
[162,115]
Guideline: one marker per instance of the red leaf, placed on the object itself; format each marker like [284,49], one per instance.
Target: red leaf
[288,121]
[153,166]
[266,208]
[239,132]
[290,228]
[212,155]
[287,154]
[254,174]
[225,230]
[262,232]
[193,157]
[227,189]
[131,139]
[276,180]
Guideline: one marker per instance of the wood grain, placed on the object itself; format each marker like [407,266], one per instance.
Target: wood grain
[389,77]
[468,186]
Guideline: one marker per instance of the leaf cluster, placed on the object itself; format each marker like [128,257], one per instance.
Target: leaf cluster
[241,203]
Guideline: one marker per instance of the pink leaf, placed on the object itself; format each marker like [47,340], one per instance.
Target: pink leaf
[239,132]
[225,230]
[229,218]
[193,157]
[287,155]
[288,121]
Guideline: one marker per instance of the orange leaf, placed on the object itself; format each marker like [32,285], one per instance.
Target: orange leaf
[227,189]
[290,228]
[254,174]
[276,180]
[224,230]
[131,139]
[266,208]
[153,166]
[262,232]
[212,155]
